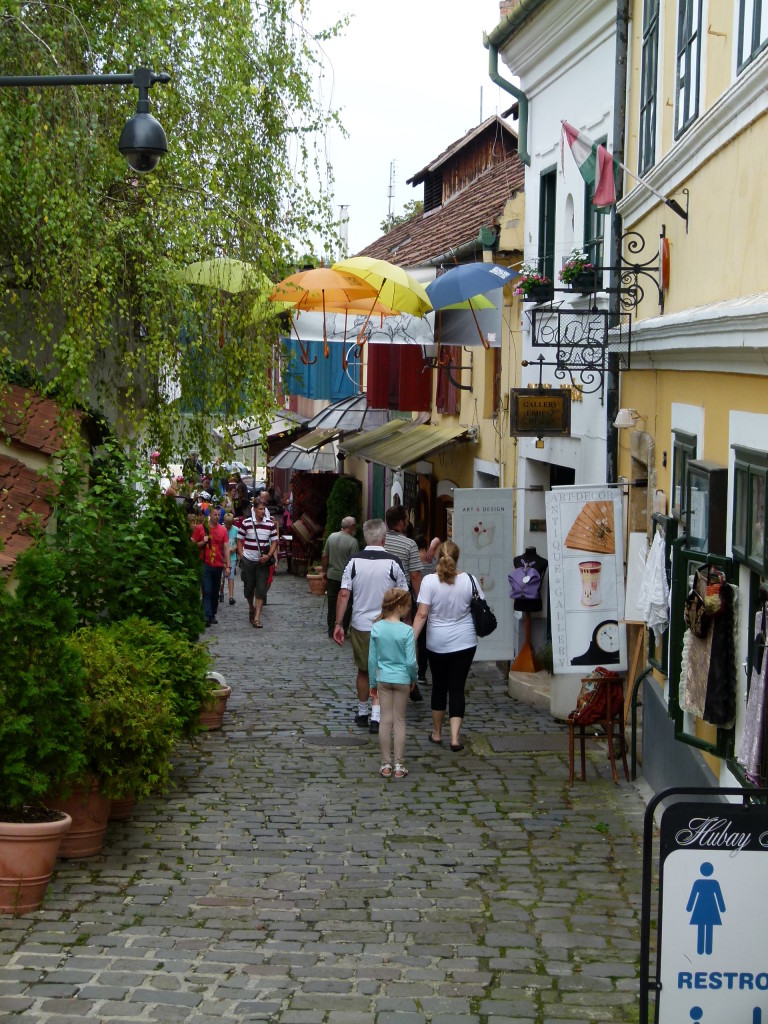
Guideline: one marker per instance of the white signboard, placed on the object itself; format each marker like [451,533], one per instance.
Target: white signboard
[586,578]
[483,528]
[714,908]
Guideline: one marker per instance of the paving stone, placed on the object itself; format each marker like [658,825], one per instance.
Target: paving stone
[278,880]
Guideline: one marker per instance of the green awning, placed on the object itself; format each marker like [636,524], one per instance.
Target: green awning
[316,439]
[408,443]
[350,445]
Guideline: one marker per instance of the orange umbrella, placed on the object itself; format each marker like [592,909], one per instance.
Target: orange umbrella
[326,290]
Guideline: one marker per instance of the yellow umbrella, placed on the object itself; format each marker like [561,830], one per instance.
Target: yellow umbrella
[394,286]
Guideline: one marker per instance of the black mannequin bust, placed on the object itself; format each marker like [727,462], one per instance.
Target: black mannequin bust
[531,557]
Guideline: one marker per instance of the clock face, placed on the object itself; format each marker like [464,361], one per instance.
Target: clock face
[606,636]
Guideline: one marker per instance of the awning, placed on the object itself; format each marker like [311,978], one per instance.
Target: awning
[247,434]
[316,439]
[350,413]
[409,442]
[351,445]
[321,460]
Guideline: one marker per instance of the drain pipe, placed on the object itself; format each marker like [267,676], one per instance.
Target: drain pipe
[522,99]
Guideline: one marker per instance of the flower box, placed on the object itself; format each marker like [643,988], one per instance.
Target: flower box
[585,281]
[539,293]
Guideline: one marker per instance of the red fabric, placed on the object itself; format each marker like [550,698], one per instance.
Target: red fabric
[213,553]
[397,378]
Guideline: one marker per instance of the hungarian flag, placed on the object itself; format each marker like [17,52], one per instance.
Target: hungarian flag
[595,164]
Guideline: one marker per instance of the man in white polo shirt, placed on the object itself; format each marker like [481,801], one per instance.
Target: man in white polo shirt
[367,575]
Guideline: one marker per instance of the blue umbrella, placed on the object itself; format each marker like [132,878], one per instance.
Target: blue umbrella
[466,282]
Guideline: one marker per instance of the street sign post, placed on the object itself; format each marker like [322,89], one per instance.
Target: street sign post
[712,957]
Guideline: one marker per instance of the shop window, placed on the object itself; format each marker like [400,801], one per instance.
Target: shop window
[749,522]
[706,500]
[650,68]
[753,30]
[688,64]
[547,197]
[683,450]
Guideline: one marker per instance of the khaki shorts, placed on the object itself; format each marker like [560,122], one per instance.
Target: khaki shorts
[360,643]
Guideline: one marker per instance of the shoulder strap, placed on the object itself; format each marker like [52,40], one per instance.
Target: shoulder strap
[474,586]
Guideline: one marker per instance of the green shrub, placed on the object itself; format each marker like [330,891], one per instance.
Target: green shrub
[345,499]
[42,685]
[132,725]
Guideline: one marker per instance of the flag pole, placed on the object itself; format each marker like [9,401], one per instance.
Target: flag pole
[671,203]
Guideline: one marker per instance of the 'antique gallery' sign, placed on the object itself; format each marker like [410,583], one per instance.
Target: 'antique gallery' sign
[540,412]
[585,548]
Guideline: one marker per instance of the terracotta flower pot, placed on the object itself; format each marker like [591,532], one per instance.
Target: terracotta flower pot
[122,808]
[89,810]
[27,855]
[212,714]
[316,584]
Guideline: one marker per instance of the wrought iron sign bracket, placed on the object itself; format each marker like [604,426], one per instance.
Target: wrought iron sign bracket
[447,365]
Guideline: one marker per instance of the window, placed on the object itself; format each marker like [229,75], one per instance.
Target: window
[594,230]
[649,74]
[749,495]
[688,63]
[547,198]
[683,450]
[753,29]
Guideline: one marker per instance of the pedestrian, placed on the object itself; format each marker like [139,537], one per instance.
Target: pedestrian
[392,669]
[397,543]
[213,542]
[338,550]
[444,599]
[366,577]
[232,530]
[427,556]
[256,547]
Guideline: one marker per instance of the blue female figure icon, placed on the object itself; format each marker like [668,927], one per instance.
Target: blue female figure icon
[706,901]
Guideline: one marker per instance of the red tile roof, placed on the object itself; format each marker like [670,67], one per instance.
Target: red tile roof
[429,235]
[30,420]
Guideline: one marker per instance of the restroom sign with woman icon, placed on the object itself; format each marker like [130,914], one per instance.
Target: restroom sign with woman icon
[705,905]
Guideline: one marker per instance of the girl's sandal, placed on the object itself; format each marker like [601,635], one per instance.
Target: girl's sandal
[400,771]
[385,771]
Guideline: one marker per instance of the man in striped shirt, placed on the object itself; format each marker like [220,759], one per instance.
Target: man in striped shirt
[256,546]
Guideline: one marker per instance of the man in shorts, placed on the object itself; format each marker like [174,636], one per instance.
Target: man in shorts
[365,578]
[256,545]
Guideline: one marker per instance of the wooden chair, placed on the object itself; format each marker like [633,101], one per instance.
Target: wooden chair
[607,710]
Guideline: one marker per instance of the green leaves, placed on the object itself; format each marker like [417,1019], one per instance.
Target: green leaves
[88,248]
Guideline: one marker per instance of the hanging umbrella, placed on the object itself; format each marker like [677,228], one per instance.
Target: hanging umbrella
[395,287]
[324,290]
[467,283]
[226,275]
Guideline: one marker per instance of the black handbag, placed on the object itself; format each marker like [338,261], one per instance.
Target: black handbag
[482,616]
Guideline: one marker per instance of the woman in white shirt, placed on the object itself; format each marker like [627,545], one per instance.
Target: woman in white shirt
[444,597]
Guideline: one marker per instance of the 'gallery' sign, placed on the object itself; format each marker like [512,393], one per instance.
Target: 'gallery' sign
[539,412]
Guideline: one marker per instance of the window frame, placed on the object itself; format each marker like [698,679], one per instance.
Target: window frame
[684,449]
[547,222]
[649,72]
[594,240]
[687,84]
[759,11]
[750,472]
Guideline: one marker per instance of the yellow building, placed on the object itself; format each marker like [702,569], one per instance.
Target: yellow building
[697,131]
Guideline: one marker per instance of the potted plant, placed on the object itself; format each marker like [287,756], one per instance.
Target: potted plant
[215,704]
[41,725]
[533,286]
[578,273]
[132,725]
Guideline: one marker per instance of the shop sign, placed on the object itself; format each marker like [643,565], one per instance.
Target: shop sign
[483,528]
[540,412]
[585,548]
[713,908]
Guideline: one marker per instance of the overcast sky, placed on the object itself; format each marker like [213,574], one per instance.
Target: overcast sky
[409,77]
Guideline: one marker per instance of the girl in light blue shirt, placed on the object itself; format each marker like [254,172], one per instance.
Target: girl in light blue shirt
[392,670]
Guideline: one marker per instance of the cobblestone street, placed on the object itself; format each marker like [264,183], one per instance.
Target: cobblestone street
[281,879]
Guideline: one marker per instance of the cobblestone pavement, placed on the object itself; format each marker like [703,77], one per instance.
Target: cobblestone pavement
[282,880]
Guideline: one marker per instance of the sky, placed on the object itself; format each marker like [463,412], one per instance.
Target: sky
[409,78]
